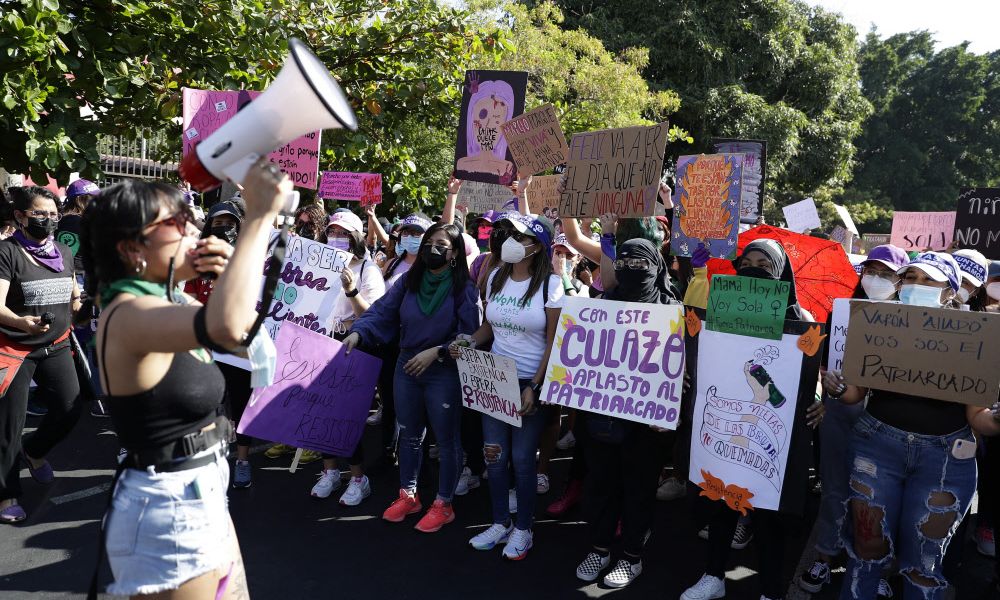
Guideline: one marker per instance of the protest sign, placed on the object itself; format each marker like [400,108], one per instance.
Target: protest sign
[977,221]
[801,216]
[748,432]
[365,188]
[490,385]
[936,353]
[872,240]
[922,230]
[320,396]
[754,174]
[204,111]
[845,216]
[839,318]
[614,171]
[536,140]
[842,236]
[857,261]
[706,204]
[489,99]
[543,196]
[481,197]
[747,306]
[620,359]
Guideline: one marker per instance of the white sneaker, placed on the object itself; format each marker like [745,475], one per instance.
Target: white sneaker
[623,574]
[357,490]
[492,537]
[707,588]
[542,483]
[592,566]
[512,501]
[329,481]
[567,441]
[518,545]
[671,489]
[376,417]
[466,481]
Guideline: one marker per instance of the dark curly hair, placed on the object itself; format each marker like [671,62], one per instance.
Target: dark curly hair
[317,221]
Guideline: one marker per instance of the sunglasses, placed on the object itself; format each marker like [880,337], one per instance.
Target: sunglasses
[178,221]
[634,264]
[520,237]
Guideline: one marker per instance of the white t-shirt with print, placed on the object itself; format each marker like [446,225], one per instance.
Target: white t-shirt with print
[371,287]
[519,332]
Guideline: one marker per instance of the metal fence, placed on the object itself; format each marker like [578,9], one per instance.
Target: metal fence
[137,158]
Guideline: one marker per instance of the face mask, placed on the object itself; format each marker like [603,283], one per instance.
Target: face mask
[410,243]
[304,231]
[40,228]
[227,233]
[920,295]
[434,258]
[963,295]
[878,288]
[755,272]
[340,244]
[993,290]
[568,269]
[513,251]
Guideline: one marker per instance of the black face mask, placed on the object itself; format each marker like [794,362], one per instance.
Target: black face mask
[755,272]
[227,233]
[305,231]
[40,228]
[434,258]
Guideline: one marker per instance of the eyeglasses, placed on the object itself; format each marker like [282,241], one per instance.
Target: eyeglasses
[178,221]
[41,214]
[883,274]
[634,264]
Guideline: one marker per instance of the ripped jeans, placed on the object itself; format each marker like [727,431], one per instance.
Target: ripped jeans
[907,496]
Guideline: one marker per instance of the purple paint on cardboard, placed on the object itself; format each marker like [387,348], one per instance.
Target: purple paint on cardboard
[358,187]
[320,396]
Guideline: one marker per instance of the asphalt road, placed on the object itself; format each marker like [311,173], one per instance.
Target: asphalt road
[298,547]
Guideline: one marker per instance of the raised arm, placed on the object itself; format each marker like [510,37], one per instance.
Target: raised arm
[448,214]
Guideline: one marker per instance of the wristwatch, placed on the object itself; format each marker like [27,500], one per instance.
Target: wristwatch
[442,353]
[352,293]
[535,387]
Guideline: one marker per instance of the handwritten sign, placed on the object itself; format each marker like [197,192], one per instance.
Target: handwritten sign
[365,188]
[754,174]
[977,221]
[842,236]
[320,396]
[872,240]
[801,216]
[489,99]
[621,359]
[845,216]
[839,319]
[543,195]
[747,306]
[614,171]
[204,111]
[481,197]
[490,385]
[928,352]
[922,230]
[536,140]
[707,201]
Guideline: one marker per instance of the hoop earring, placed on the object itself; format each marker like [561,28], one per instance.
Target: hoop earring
[453,263]
[140,267]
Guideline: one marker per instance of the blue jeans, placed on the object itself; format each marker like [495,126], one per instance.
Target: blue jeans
[518,446]
[835,471]
[435,396]
[914,493]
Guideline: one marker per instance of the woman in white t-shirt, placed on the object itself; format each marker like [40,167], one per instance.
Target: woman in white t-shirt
[523,302]
[362,285]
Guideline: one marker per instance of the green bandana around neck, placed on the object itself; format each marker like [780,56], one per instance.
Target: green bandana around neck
[134,286]
[433,290]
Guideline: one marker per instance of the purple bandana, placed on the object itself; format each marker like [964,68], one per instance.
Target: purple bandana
[46,253]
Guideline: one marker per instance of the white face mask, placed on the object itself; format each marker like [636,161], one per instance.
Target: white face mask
[920,295]
[963,295]
[993,290]
[513,251]
[878,288]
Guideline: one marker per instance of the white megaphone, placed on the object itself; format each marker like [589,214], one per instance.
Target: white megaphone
[303,98]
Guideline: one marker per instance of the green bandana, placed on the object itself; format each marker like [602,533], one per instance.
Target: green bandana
[131,285]
[433,290]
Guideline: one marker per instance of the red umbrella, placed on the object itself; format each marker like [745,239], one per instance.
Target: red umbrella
[822,270]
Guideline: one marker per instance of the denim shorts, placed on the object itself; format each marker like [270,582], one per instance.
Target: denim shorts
[164,529]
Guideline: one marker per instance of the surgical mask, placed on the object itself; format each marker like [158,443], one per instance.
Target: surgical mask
[878,288]
[339,243]
[434,258]
[410,243]
[513,251]
[915,294]
[40,228]
[568,269]
[963,295]
[993,290]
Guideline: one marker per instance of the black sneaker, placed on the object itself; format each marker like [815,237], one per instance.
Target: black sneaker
[97,410]
[592,566]
[884,590]
[815,578]
[743,535]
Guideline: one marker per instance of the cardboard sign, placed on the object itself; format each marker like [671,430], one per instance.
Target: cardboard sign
[320,396]
[801,216]
[614,171]
[490,385]
[754,174]
[480,197]
[936,353]
[845,216]
[747,306]
[621,359]
[489,99]
[918,231]
[842,236]
[747,438]
[543,196]
[536,140]
[365,188]
[839,319]
[706,201]
[872,240]
[977,221]
[204,111]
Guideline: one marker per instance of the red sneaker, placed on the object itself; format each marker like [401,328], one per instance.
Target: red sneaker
[569,499]
[438,515]
[400,509]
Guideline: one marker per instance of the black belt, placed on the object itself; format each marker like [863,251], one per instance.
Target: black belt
[176,456]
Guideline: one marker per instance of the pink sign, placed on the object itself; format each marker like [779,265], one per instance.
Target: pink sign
[358,187]
[922,230]
[207,110]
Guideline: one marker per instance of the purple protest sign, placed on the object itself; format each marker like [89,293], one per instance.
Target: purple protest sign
[205,111]
[357,187]
[320,396]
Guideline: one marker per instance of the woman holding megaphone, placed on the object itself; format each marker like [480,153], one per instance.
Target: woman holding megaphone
[168,529]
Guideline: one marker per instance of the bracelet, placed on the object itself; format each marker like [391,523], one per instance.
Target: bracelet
[352,293]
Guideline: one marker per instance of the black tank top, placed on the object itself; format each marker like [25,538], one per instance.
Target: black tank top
[184,401]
